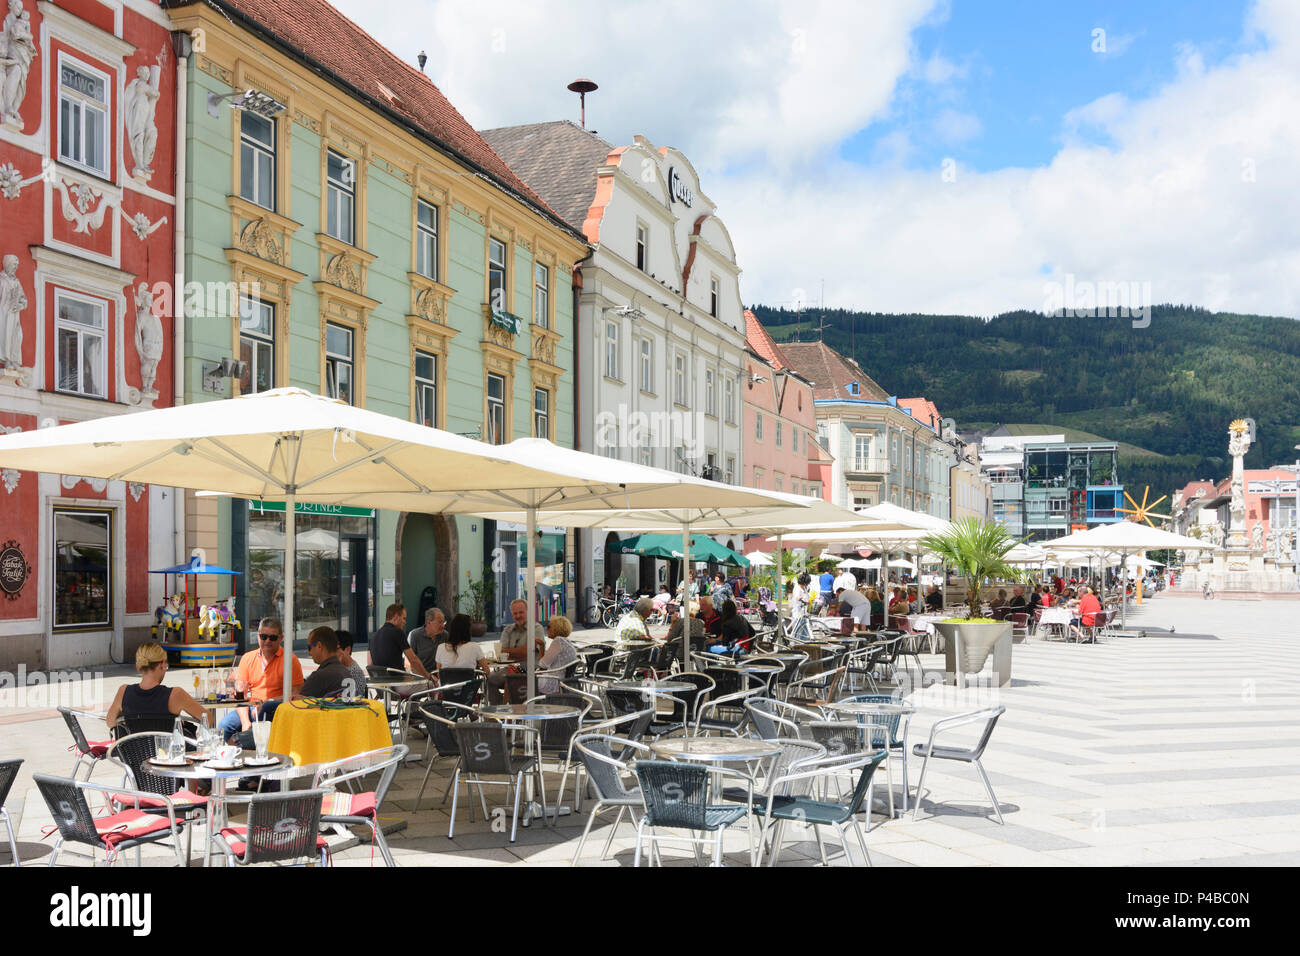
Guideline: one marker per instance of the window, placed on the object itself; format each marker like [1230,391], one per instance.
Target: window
[642,247]
[496,409]
[862,452]
[758,426]
[823,435]
[713,296]
[83,117]
[611,351]
[257,159]
[426,239]
[647,365]
[679,378]
[340,197]
[80,330]
[338,362]
[541,296]
[729,397]
[256,345]
[710,402]
[758,477]
[647,452]
[711,467]
[426,389]
[83,562]
[541,413]
[794,439]
[780,482]
[778,433]
[497,300]
[731,469]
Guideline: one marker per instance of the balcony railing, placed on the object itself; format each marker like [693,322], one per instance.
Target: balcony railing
[874,466]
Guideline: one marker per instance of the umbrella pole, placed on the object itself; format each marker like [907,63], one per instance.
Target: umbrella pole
[780,578]
[530,574]
[686,596]
[290,585]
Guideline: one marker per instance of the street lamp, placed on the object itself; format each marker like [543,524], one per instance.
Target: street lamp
[255,101]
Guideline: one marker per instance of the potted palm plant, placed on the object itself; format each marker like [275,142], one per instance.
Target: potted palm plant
[475,600]
[978,549]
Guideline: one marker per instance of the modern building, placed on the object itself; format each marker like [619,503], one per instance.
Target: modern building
[1045,487]
[87,239]
[371,247]
[660,332]
[880,451]
[781,448]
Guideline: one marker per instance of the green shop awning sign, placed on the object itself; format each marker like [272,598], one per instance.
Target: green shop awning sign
[305,508]
[506,320]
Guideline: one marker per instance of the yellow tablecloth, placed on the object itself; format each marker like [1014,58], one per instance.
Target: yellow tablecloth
[320,735]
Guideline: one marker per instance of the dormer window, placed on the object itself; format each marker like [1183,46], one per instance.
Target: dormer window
[853,388]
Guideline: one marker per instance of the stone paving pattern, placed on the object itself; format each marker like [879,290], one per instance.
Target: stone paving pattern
[1173,749]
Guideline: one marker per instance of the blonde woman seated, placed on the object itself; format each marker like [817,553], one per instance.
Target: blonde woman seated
[560,653]
[151,697]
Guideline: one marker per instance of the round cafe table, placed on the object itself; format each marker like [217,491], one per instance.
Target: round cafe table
[309,733]
[653,686]
[527,711]
[715,749]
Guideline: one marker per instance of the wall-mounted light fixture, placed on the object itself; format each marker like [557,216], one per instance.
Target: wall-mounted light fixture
[215,374]
[255,101]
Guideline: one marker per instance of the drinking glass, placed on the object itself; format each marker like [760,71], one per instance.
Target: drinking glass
[176,748]
[261,737]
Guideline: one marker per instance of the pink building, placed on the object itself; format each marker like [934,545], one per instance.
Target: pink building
[781,449]
[1270,499]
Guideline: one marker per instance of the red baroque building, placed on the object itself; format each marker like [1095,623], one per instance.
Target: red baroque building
[87,242]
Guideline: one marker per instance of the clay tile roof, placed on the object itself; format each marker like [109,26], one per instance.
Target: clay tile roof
[923,410]
[558,160]
[316,33]
[830,372]
[761,342]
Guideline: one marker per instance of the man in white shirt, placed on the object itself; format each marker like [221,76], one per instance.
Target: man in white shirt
[857,605]
[847,580]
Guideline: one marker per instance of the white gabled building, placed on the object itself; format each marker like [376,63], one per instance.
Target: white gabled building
[660,328]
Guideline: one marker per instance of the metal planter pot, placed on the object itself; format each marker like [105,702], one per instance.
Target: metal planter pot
[977,642]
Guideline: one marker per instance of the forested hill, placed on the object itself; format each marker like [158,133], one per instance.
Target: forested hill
[1170,388]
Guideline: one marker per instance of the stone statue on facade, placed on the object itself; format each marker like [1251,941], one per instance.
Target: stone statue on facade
[1216,535]
[1257,537]
[148,338]
[17,51]
[12,302]
[141,100]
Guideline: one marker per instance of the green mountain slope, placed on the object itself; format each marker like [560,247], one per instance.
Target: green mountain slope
[1168,390]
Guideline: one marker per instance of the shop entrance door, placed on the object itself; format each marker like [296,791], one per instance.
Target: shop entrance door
[354,587]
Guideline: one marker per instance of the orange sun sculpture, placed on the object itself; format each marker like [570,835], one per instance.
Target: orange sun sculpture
[1144,512]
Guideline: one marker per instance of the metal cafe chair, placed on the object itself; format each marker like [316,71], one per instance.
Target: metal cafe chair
[282,828]
[91,752]
[965,754]
[111,833]
[675,796]
[347,807]
[629,727]
[485,751]
[8,774]
[604,757]
[131,753]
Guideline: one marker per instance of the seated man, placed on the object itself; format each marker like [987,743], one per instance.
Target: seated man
[388,647]
[1089,608]
[514,641]
[1018,601]
[260,675]
[853,603]
[933,599]
[424,640]
[331,676]
[662,657]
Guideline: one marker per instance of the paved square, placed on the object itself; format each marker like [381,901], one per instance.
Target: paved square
[1173,749]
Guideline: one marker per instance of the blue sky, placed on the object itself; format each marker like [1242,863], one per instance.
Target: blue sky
[1020,65]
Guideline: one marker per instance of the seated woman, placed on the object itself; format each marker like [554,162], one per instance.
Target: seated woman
[458,650]
[877,603]
[735,628]
[151,697]
[661,657]
[560,653]
[898,604]
[1000,600]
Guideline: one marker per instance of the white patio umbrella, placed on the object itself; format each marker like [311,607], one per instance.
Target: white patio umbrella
[1124,538]
[290,445]
[759,559]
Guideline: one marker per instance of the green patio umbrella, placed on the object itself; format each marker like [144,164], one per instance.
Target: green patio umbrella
[670,546]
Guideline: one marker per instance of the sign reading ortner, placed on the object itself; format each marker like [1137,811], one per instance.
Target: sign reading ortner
[678,189]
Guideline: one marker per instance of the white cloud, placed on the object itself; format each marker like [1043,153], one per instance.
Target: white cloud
[1193,189]
[952,126]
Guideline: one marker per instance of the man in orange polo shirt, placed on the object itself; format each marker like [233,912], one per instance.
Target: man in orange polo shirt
[261,675]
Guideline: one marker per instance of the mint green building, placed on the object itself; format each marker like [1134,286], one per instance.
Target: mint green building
[348,233]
